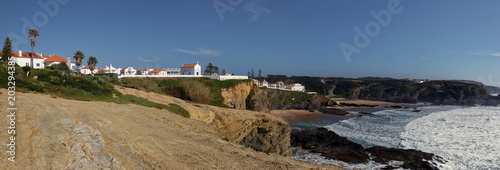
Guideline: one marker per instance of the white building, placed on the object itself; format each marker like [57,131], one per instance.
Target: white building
[263,83]
[191,69]
[173,71]
[158,71]
[280,85]
[110,69]
[23,59]
[55,59]
[86,70]
[128,71]
[296,87]
[142,72]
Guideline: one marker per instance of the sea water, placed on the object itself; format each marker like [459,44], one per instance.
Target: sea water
[465,137]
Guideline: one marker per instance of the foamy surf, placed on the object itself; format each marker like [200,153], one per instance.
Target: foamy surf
[467,138]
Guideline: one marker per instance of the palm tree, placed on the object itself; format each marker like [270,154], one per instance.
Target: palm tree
[79,56]
[32,33]
[92,62]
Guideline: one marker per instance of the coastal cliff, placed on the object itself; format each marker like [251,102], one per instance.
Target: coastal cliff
[435,92]
[248,96]
[262,132]
[56,133]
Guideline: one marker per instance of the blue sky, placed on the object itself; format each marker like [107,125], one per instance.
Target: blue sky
[423,39]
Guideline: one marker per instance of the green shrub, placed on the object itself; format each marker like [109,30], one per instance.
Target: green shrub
[130,99]
[174,108]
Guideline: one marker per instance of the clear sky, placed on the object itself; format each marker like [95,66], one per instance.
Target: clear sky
[433,39]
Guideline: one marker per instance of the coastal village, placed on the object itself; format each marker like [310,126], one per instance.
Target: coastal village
[41,61]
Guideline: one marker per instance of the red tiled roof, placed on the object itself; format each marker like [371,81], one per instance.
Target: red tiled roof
[125,68]
[156,70]
[56,58]
[85,67]
[24,55]
[188,65]
[46,56]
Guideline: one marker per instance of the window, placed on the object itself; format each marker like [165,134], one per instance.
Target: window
[38,64]
[27,64]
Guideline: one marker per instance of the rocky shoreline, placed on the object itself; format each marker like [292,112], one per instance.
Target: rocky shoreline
[332,146]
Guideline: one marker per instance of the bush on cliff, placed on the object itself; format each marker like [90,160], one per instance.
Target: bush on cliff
[201,90]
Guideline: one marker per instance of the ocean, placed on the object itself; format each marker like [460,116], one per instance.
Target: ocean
[465,137]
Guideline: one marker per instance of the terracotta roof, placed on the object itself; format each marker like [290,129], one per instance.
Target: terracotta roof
[125,68]
[156,70]
[87,67]
[45,56]
[188,65]
[24,55]
[56,58]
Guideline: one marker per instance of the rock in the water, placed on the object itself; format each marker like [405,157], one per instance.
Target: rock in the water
[412,159]
[364,114]
[329,144]
[333,111]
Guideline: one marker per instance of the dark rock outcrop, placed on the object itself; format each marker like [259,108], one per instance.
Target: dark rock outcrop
[412,159]
[329,144]
[333,111]
[364,114]
[333,146]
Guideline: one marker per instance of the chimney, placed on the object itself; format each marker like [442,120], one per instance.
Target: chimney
[20,53]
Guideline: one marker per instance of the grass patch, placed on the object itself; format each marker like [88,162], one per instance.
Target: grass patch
[130,99]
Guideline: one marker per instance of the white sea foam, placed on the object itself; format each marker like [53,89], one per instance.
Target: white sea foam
[316,158]
[382,128]
[467,138]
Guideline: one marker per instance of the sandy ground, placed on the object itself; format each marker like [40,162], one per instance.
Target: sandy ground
[306,115]
[55,133]
[361,102]
[366,102]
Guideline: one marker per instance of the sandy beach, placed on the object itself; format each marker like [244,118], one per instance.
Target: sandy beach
[299,117]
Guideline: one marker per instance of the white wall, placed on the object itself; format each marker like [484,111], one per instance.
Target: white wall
[38,63]
[217,77]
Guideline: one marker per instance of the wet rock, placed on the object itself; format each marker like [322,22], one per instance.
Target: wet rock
[412,159]
[364,114]
[333,111]
[329,144]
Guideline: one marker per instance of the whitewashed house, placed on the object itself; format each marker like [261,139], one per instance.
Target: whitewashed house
[296,87]
[173,71]
[110,69]
[160,72]
[23,59]
[128,71]
[86,70]
[280,85]
[191,69]
[256,82]
[263,83]
[142,72]
[56,59]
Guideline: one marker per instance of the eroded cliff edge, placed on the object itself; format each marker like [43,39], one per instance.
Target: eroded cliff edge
[55,133]
[248,96]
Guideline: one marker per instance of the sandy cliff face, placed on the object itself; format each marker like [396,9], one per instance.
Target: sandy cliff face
[235,97]
[260,131]
[54,133]
[248,96]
